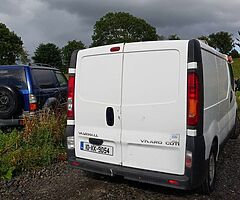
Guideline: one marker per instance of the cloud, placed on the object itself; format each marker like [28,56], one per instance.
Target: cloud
[165,15]
[35,22]
[58,21]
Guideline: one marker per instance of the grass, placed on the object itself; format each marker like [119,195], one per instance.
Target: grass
[38,144]
[236,68]
[236,71]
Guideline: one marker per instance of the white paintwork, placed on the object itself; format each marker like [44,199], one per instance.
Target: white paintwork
[98,86]
[146,85]
[153,105]
[219,113]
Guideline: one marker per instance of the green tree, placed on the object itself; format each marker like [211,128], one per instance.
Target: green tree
[121,27]
[234,53]
[48,54]
[173,37]
[10,46]
[23,57]
[222,41]
[161,37]
[68,49]
[204,38]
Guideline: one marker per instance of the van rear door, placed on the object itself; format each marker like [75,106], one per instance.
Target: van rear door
[97,104]
[154,106]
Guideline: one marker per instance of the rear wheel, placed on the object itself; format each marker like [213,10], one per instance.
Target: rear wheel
[209,182]
[10,102]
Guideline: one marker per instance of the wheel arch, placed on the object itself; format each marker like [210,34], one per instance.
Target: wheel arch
[51,101]
[211,137]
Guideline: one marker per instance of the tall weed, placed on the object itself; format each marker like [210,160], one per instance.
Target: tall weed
[38,144]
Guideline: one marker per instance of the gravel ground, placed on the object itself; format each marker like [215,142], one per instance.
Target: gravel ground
[61,182]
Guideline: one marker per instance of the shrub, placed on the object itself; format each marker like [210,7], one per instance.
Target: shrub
[10,151]
[38,144]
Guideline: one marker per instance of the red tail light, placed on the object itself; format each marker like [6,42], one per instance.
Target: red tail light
[32,103]
[193,99]
[71,87]
[32,107]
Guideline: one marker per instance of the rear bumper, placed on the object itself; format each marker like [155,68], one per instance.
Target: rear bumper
[11,122]
[145,176]
[18,121]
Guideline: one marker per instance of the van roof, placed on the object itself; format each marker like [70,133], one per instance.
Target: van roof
[202,44]
[212,50]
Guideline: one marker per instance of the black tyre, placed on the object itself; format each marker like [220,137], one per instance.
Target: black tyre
[235,132]
[10,102]
[208,184]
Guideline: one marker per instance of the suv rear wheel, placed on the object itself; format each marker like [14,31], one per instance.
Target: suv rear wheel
[10,101]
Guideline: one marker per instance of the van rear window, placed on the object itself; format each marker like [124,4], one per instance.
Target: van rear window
[13,76]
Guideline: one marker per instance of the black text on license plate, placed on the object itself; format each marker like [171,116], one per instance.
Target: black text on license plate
[100,149]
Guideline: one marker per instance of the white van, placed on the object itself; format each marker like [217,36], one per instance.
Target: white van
[154,112]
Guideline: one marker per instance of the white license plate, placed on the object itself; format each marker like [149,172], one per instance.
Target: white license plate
[100,149]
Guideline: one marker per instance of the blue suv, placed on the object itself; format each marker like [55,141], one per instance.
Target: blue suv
[25,89]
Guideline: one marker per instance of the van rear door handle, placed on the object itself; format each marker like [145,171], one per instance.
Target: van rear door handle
[110,116]
[95,141]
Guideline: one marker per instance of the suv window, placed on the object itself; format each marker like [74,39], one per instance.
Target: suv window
[61,79]
[14,76]
[44,78]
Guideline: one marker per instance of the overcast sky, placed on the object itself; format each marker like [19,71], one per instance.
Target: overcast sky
[58,21]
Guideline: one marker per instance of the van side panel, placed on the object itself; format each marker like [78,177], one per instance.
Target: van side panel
[223,97]
[233,103]
[211,107]
[154,107]
[216,98]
